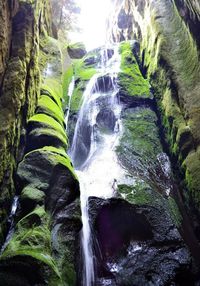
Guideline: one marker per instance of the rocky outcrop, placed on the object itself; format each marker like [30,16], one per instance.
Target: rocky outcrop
[8,11]
[83,70]
[144,230]
[134,88]
[19,76]
[169,56]
[135,241]
[41,249]
[76,51]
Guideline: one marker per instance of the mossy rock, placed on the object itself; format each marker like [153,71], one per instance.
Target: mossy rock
[32,194]
[83,72]
[141,194]
[82,69]
[39,165]
[66,79]
[76,51]
[47,106]
[67,225]
[77,97]
[141,134]
[130,79]
[50,58]
[47,120]
[43,130]
[30,245]
[55,85]
[139,145]
[54,94]
[191,166]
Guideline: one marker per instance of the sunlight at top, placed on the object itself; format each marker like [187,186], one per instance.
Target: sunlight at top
[93,21]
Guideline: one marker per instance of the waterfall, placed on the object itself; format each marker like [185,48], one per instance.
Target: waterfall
[93,147]
[69,93]
[10,222]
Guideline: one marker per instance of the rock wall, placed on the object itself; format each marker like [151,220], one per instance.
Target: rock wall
[33,140]
[21,22]
[41,248]
[143,230]
[169,57]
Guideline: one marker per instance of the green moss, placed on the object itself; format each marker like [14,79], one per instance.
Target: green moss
[139,193]
[33,194]
[47,106]
[191,166]
[51,91]
[50,58]
[76,100]
[174,210]
[76,50]
[83,74]
[66,79]
[55,86]
[54,155]
[131,81]
[171,55]
[49,121]
[32,238]
[47,91]
[141,135]
[62,157]
[51,137]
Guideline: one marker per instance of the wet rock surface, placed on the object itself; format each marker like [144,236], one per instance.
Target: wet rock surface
[106,119]
[76,51]
[144,244]
[136,237]
[169,48]
[104,84]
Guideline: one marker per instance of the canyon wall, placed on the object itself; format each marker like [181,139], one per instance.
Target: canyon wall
[167,32]
[33,145]
[35,73]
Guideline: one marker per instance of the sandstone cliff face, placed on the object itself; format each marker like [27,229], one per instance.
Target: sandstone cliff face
[33,142]
[33,145]
[21,22]
[8,10]
[169,57]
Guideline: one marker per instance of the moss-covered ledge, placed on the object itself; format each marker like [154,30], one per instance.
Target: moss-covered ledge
[30,248]
[130,79]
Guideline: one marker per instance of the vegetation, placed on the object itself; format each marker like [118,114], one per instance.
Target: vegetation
[131,81]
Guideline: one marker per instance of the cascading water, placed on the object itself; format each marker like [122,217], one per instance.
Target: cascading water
[10,222]
[95,157]
[69,93]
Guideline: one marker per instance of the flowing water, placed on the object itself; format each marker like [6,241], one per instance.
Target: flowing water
[93,148]
[10,223]
[69,93]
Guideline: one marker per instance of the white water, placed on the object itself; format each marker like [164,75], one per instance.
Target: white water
[69,93]
[11,222]
[99,172]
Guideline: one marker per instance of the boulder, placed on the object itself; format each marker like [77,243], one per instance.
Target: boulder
[106,120]
[76,51]
[135,243]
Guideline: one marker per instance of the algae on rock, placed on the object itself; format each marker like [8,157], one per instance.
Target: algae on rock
[45,181]
[169,55]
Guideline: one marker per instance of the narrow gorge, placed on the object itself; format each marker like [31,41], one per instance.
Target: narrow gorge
[100,143]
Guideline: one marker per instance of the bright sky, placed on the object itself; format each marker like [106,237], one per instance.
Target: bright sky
[93,22]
